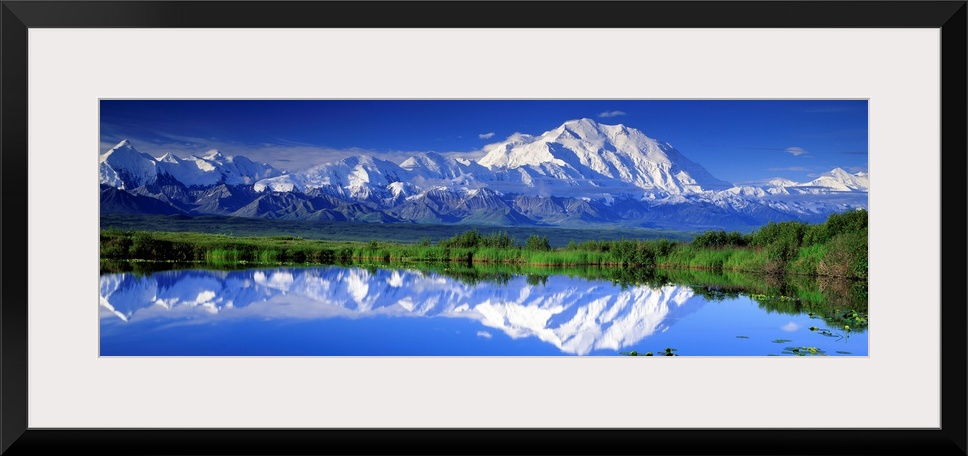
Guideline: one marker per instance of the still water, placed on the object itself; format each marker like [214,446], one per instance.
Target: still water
[352,311]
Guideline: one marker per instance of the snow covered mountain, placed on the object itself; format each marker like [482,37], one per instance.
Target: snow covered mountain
[583,153]
[125,168]
[836,180]
[580,174]
[428,168]
[214,168]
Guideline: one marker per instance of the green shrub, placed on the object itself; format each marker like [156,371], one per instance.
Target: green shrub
[846,256]
[537,243]
[807,260]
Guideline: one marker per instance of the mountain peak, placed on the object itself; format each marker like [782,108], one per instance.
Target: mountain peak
[213,154]
[584,128]
[123,145]
[584,152]
[125,149]
[592,124]
[582,121]
[360,160]
[126,168]
[169,158]
[425,159]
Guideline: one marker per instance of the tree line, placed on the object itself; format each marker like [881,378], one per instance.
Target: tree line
[836,248]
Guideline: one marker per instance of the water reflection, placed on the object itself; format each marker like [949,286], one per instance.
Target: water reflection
[460,311]
[575,315]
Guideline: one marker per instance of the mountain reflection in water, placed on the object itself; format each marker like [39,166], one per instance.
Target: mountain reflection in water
[575,315]
[382,311]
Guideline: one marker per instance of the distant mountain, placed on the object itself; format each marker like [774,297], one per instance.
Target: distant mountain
[214,168]
[118,201]
[580,174]
[428,168]
[837,180]
[125,168]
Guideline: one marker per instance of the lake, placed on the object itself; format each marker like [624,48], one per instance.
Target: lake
[396,311]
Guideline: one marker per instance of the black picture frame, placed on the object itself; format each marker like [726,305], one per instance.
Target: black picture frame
[17,17]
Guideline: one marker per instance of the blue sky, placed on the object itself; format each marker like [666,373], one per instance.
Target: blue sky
[741,141]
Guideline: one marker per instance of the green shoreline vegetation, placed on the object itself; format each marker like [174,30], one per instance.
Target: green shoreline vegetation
[403,233]
[836,248]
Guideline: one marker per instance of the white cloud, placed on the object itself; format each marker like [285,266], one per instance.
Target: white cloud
[484,334]
[796,151]
[487,135]
[611,114]
[790,327]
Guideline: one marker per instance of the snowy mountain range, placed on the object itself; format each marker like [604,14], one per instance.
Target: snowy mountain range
[123,167]
[576,315]
[580,174]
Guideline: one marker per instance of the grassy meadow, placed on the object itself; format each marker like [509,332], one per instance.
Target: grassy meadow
[835,248]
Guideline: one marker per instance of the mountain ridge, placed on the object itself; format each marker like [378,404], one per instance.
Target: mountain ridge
[582,173]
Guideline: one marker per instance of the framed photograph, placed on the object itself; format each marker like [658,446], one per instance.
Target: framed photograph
[482,213]
[418,231]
